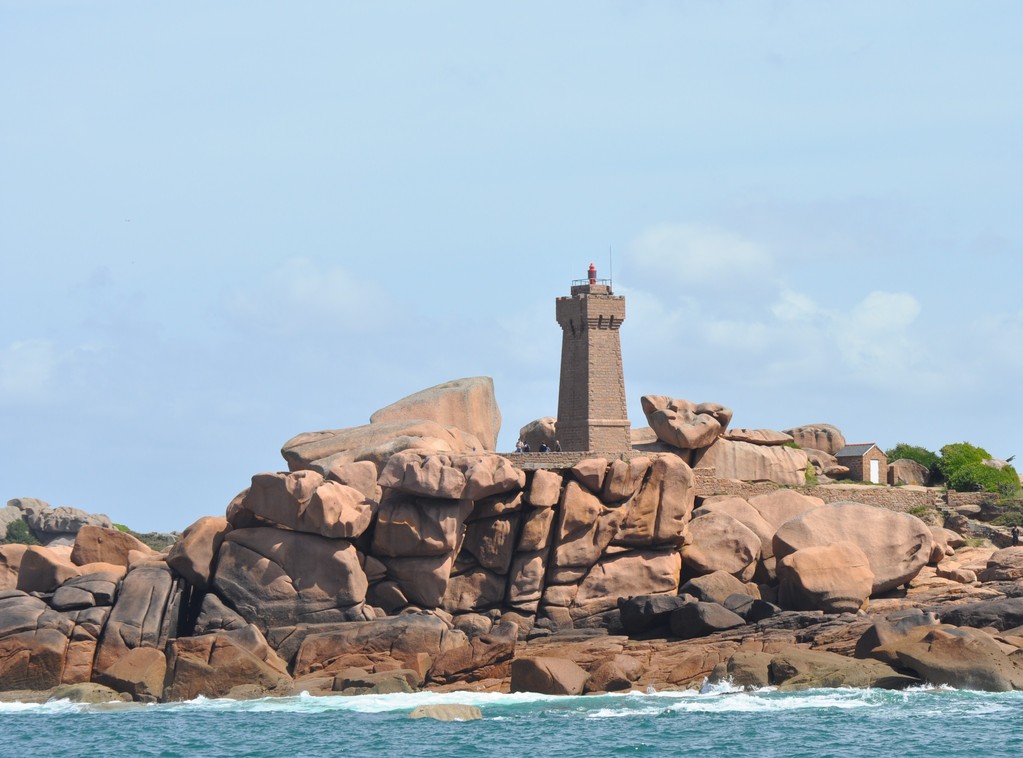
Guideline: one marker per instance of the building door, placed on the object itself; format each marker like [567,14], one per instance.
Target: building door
[875,472]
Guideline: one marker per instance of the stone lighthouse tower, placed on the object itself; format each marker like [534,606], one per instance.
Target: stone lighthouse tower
[591,400]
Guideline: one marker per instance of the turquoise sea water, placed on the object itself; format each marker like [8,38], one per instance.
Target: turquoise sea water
[717,722]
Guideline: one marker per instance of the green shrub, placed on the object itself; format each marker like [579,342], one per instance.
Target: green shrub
[18,533]
[919,510]
[958,455]
[921,455]
[1012,518]
[810,475]
[978,477]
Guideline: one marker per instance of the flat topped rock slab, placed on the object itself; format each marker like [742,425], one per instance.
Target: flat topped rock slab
[374,442]
[467,404]
[758,436]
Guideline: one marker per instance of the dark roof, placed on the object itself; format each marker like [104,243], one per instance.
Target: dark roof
[855,451]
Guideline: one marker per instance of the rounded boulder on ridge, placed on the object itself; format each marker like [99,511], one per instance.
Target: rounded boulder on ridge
[897,545]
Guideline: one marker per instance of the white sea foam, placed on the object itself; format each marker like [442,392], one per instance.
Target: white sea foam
[718,698]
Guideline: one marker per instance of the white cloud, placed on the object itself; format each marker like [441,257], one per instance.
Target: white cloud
[688,254]
[795,307]
[301,296]
[27,371]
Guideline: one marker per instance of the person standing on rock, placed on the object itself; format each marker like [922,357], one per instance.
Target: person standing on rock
[544,447]
[518,446]
[557,446]
[1015,536]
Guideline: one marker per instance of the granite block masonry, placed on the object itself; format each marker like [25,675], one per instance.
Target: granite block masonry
[591,400]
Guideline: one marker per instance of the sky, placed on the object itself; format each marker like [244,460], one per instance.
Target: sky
[226,223]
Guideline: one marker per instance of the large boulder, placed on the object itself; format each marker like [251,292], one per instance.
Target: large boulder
[549,676]
[411,525]
[717,587]
[542,430]
[97,544]
[274,577]
[1005,565]
[140,672]
[758,436]
[684,424]
[467,404]
[624,478]
[10,563]
[833,578]
[476,655]
[62,522]
[95,588]
[754,463]
[491,541]
[963,658]
[322,451]
[8,515]
[719,542]
[420,580]
[145,614]
[745,514]
[306,502]
[645,614]
[411,640]
[32,660]
[193,554]
[897,545]
[43,569]
[475,590]
[826,464]
[451,476]
[213,665]
[659,512]
[585,528]
[781,505]
[640,572]
[544,489]
[800,669]
[698,619]
[818,436]
[999,613]
[906,471]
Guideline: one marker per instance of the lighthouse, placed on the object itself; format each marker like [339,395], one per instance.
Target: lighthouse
[591,399]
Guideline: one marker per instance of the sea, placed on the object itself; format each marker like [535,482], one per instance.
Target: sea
[715,721]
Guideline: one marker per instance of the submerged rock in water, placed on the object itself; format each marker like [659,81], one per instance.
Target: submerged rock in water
[447,712]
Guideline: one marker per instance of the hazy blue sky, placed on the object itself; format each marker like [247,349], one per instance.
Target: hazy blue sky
[225,223]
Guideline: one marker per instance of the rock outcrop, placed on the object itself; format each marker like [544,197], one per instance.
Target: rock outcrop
[406,554]
[466,404]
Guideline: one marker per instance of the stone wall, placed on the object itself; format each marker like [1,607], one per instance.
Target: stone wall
[563,460]
[956,499]
[882,496]
[707,483]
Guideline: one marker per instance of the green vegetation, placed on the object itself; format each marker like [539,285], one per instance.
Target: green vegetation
[792,444]
[1009,518]
[156,540]
[810,475]
[963,469]
[960,466]
[921,455]
[919,510]
[18,533]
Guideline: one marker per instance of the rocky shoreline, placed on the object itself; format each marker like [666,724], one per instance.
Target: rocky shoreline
[404,555]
